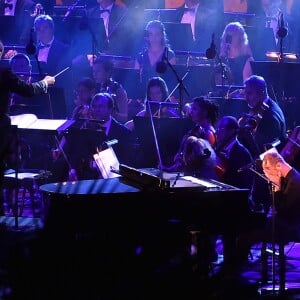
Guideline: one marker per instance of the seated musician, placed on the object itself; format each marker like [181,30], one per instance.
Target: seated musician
[102,73]
[157,91]
[236,54]
[232,155]
[203,113]
[85,91]
[101,127]
[21,65]
[199,158]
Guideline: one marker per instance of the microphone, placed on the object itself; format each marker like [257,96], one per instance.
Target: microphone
[161,66]
[211,51]
[282,30]
[31,48]
[250,165]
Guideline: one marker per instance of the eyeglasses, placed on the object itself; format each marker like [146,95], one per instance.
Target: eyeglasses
[221,128]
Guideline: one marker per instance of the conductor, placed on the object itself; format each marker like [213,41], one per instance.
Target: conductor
[10,83]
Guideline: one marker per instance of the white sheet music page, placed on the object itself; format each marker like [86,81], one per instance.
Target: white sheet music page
[107,161]
[30,121]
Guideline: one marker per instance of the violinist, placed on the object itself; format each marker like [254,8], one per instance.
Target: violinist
[204,113]
[260,126]
[265,119]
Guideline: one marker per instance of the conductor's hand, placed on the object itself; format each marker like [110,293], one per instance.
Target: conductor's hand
[50,80]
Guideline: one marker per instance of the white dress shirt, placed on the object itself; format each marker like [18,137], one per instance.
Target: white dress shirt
[105,17]
[189,17]
[44,52]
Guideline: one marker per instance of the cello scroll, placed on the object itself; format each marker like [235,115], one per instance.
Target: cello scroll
[292,148]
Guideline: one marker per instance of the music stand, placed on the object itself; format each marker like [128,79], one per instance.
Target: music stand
[169,132]
[261,40]
[83,144]
[87,33]
[180,36]
[281,77]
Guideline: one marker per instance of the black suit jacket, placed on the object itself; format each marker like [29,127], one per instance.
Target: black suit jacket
[239,156]
[119,32]
[208,21]
[10,83]
[58,57]
[18,26]
[287,200]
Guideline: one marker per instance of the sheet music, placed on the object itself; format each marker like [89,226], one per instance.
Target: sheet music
[30,121]
[107,161]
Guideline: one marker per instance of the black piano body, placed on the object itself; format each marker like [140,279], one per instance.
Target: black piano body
[115,237]
[116,203]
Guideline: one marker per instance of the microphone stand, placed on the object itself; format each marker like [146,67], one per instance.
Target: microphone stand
[179,85]
[272,187]
[155,136]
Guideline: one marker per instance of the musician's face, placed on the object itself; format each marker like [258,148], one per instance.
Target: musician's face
[21,65]
[222,131]
[105,3]
[100,109]
[99,73]
[155,94]
[155,35]
[197,113]
[44,32]
[253,96]
[83,95]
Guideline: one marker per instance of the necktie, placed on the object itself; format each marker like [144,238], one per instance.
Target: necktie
[43,46]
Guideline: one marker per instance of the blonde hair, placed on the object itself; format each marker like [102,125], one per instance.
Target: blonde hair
[235,29]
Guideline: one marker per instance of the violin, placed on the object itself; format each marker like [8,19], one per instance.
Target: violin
[292,148]
[251,120]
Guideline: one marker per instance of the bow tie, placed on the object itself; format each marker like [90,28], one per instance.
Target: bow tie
[104,11]
[43,46]
[9,6]
[189,9]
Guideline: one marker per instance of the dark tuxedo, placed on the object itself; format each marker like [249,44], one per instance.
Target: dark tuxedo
[58,58]
[208,21]
[119,34]
[238,157]
[16,29]
[10,83]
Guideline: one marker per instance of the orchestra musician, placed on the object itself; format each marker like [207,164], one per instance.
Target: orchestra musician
[151,62]
[76,163]
[291,150]
[157,92]
[232,154]
[203,113]
[235,54]
[261,126]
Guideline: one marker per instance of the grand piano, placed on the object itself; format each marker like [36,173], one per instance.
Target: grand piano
[132,231]
[139,198]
